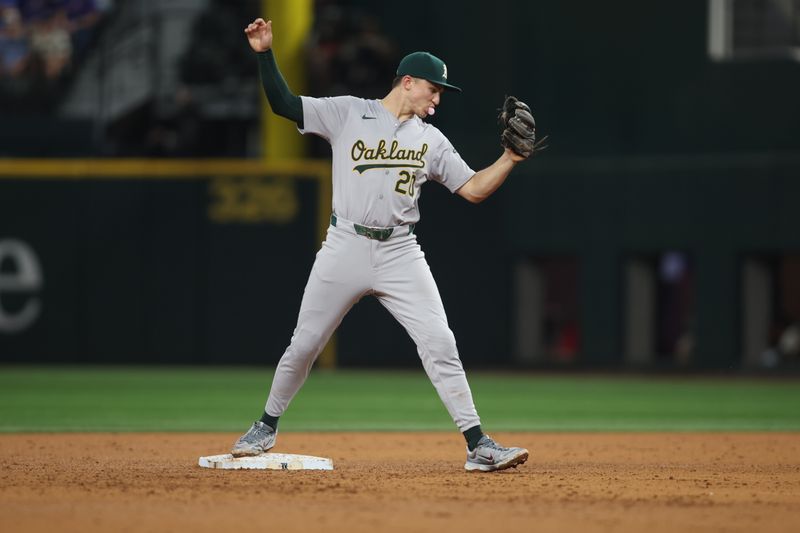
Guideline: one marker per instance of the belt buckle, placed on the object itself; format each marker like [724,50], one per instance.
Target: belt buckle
[376,234]
[379,234]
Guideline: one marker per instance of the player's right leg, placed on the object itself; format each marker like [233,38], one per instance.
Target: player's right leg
[341,275]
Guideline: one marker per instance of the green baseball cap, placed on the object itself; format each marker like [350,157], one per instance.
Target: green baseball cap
[426,66]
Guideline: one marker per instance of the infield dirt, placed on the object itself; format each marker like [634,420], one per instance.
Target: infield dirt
[404,482]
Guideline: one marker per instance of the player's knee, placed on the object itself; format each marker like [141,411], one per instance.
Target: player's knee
[306,345]
[441,344]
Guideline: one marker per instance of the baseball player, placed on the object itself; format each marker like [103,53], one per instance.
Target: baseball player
[383,153]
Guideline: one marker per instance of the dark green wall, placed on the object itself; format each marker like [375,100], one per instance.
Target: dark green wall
[604,78]
[649,148]
[136,272]
[605,211]
[652,147]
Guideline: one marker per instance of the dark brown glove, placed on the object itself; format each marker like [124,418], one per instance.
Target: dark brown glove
[519,128]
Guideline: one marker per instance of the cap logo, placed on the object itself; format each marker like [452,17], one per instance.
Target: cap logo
[444,74]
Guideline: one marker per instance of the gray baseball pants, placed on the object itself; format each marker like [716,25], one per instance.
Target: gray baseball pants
[350,266]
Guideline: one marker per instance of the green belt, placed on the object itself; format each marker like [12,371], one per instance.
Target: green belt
[378,234]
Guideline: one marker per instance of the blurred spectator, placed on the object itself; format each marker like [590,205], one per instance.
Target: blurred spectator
[789,342]
[675,294]
[14,49]
[784,345]
[40,42]
[33,9]
[51,43]
[348,54]
[176,134]
[217,51]
[367,60]
[82,17]
[323,45]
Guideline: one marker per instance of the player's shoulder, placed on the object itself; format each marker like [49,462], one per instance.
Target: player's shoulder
[344,100]
[370,106]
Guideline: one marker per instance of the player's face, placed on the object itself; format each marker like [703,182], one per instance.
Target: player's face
[424,96]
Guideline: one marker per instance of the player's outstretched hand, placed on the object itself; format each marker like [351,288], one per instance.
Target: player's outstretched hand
[259,34]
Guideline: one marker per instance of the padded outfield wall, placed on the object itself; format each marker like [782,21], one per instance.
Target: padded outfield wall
[654,147]
[205,261]
[155,261]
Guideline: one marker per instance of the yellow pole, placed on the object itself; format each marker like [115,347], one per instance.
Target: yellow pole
[291,23]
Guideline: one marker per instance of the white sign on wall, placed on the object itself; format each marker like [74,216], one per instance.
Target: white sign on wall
[20,274]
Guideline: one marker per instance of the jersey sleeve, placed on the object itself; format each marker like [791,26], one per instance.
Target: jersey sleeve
[326,117]
[448,168]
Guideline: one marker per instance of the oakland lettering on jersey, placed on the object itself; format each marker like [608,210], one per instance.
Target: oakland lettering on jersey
[361,151]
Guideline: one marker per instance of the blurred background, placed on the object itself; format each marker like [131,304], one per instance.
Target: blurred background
[152,210]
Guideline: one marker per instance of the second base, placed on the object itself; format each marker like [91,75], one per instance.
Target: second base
[266,461]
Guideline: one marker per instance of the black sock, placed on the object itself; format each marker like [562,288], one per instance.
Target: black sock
[472,436]
[271,421]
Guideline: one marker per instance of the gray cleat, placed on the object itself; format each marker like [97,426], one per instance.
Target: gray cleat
[489,456]
[258,439]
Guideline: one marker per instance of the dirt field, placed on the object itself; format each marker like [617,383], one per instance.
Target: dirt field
[404,482]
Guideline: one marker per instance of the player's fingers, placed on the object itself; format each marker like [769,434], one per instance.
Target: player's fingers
[258,24]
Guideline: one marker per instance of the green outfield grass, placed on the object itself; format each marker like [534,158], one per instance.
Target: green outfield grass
[228,399]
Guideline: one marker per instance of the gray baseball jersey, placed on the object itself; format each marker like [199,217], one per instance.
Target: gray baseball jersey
[379,163]
[379,167]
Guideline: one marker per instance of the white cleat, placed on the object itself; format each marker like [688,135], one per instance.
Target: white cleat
[489,456]
[258,439]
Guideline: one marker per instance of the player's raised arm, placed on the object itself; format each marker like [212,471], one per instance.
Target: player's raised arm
[281,99]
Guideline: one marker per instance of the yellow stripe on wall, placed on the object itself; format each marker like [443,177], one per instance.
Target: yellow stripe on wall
[159,168]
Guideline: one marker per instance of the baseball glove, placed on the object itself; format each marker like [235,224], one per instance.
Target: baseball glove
[519,128]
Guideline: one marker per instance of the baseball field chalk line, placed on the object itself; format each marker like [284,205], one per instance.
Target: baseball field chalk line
[266,461]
